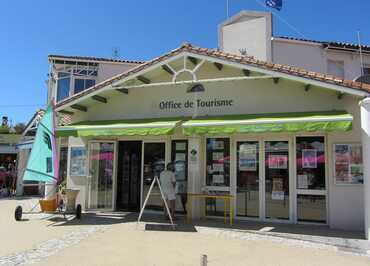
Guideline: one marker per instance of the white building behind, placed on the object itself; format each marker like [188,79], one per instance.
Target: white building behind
[252,33]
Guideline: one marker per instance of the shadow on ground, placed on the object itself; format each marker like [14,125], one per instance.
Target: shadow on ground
[157,222]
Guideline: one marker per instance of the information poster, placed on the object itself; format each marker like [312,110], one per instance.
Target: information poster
[218,179]
[218,145]
[180,146]
[348,164]
[277,189]
[218,167]
[278,161]
[248,157]
[309,158]
[180,157]
[302,181]
[78,161]
[216,156]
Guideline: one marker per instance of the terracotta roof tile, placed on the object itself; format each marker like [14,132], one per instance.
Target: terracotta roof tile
[186,47]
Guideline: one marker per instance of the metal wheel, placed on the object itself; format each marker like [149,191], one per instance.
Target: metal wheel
[18,213]
[78,211]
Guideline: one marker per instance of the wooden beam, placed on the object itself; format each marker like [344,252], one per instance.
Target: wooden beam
[79,107]
[144,79]
[218,66]
[246,72]
[122,90]
[168,70]
[99,98]
[307,87]
[276,80]
[193,60]
[66,112]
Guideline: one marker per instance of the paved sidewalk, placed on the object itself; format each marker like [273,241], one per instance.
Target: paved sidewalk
[115,239]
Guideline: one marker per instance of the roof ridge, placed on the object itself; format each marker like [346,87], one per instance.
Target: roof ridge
[95,58]
[187,47]
[323,41]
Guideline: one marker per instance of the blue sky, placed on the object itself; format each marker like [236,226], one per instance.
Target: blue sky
[141,29]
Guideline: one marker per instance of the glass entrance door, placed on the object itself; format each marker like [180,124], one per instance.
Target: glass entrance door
[277,180]
[154,164]
[101,171]
[129,176]
[247,194]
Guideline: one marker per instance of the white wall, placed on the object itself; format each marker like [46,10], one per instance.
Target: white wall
[250,31]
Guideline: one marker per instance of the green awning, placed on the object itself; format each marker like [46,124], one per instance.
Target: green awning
[133,127]
[279,122]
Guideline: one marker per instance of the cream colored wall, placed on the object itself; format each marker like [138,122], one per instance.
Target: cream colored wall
[258,96]
[314,57]
[249,97]
[108,70]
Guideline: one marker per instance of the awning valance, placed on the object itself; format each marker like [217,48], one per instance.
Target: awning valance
[132,127]
[279,122]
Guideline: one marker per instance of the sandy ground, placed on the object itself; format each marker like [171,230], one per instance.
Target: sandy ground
[124,244]
[25,235]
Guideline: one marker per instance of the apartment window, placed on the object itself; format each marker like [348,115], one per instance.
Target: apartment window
[82,84]
[73,79]
[336,68]
[63,86]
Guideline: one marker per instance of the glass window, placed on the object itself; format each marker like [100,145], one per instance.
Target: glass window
[247,198]
[101,171]
[63,86]
[83,84]
[154,164]
[310,158]
[78,161]
[79,85]
[277,179]
[311,208]
[89,83]
[179,156]
[218,162]
[218,172]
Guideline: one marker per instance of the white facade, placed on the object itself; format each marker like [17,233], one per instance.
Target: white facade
[255,96]
[252,32]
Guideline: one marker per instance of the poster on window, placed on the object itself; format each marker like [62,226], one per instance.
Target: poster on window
[348,164]
[278,161]
[277,189]
[218,179]
[217,156]
[248,157]
[302,181]
[309,158]
[180,146]
[218,145]
[78,161]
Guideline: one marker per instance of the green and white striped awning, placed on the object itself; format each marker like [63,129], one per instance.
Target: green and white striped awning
[230,124]
[132,127]
[279,122]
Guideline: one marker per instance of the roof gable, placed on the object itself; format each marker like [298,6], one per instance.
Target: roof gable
[219,58]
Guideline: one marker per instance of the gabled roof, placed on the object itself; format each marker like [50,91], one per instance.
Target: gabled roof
[278,69]
[96,59]
[331,44]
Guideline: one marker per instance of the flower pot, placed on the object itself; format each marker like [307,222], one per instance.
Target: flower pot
[48,205]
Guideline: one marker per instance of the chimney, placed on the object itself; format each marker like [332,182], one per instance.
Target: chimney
[247,31]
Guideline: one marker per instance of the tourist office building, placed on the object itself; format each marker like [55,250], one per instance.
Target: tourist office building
[289,145]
